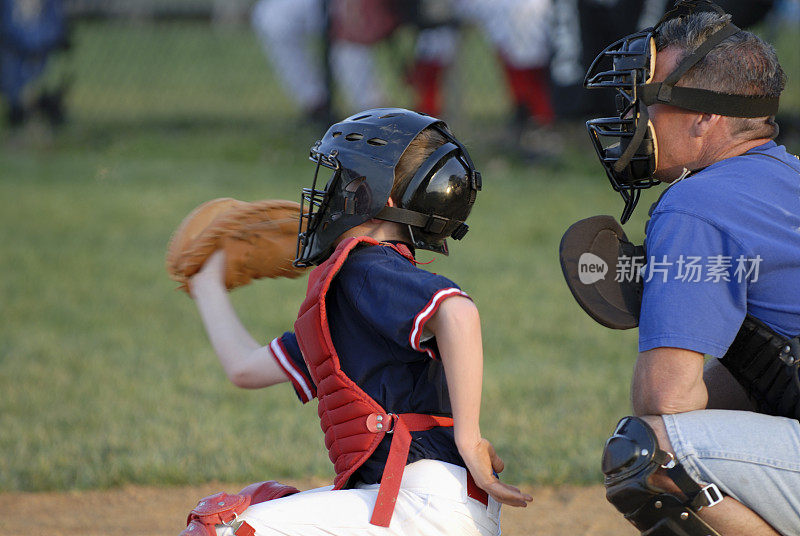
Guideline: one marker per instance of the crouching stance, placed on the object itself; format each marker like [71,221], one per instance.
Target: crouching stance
[714,449]
[392,352]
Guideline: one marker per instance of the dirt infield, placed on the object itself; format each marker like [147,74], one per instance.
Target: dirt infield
[145,511]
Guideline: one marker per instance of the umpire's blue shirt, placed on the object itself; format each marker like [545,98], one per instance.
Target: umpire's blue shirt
[722,243]
[377,307]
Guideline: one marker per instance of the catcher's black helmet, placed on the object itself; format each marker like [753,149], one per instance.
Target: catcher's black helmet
[363,151]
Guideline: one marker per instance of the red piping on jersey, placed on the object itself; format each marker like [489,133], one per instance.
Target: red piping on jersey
[353,422]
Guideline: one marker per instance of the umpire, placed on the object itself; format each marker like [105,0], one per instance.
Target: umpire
[714,448]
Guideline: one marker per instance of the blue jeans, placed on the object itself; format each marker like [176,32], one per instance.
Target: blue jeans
[754,458]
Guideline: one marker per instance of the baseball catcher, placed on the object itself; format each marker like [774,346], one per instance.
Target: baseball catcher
[391,352]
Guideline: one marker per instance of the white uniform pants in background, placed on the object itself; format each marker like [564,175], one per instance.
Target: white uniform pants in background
[288,31]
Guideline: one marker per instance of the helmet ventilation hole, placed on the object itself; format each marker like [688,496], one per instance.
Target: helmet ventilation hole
[377,142]
[354,136]
[336,134]
[360,117]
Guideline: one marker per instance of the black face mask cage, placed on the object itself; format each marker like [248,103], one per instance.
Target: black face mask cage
[317,201]
[625,143]
[626,148]
[623,65]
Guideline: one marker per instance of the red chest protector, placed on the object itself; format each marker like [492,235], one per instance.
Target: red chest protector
[353,422]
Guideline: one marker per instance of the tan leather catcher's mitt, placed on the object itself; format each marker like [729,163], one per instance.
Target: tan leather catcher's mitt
[259,239]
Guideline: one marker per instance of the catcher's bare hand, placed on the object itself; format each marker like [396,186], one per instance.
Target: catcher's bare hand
[482,460]
[211,274]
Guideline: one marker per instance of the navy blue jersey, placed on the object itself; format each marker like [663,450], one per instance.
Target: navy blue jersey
[722,243]
[377,307]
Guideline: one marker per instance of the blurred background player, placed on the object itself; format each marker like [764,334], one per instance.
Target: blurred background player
[519,32]
[293,34]
[30,32]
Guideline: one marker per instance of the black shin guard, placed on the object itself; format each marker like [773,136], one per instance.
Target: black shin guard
[630,457]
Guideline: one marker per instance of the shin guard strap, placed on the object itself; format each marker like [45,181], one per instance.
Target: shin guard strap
[666,515]
[630,458]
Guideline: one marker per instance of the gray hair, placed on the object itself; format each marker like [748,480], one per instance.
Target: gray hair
[742,64]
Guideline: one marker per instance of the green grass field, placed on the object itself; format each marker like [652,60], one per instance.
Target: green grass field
[106,376]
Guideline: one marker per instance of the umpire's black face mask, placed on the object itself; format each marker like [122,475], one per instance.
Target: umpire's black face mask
[626,143]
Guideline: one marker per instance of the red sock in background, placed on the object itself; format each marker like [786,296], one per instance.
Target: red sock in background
[426,79]
[529,88]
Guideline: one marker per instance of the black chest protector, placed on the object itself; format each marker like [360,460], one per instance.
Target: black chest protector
[600,266]
[767,365]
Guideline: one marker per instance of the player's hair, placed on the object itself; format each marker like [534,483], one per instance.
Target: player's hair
[412,158]
[742,64]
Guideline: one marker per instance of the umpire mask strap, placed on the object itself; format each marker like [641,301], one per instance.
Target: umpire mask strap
[705,100]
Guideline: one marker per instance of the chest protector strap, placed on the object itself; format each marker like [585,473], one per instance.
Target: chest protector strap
[767,366]
[402,425]
[353,422]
